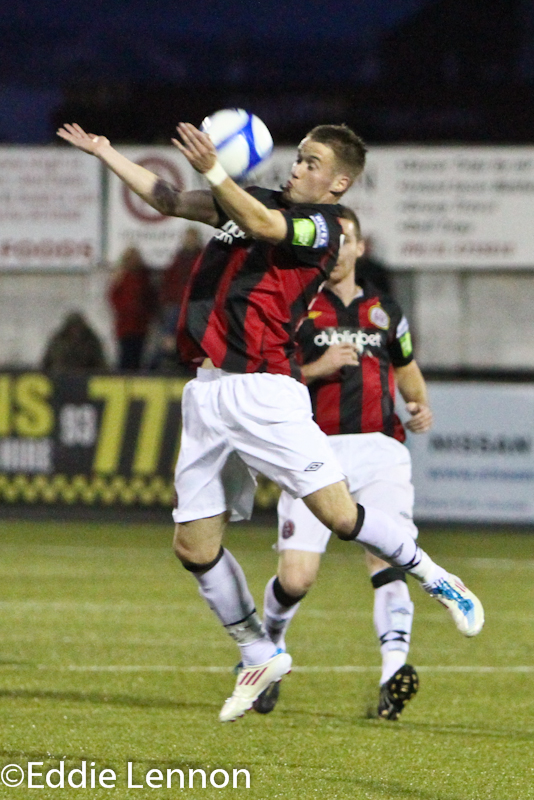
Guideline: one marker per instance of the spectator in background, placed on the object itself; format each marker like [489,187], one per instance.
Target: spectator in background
[370,269]
[134,303]
[74,347]
[173,282]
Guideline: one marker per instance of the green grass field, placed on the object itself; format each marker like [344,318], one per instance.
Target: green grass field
[109,656]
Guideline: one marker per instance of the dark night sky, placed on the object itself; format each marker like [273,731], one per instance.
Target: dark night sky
[314,19]
[50,47]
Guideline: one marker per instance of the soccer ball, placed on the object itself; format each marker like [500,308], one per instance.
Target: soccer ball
[242,140]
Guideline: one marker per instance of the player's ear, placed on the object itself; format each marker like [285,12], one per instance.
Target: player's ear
[340,184]
[360,248]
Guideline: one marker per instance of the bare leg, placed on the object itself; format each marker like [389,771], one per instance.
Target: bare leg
[297,570]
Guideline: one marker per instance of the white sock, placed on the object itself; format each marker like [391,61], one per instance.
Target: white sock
[392,660]
[393,617]
[276,617]
[225,589]
[388,540]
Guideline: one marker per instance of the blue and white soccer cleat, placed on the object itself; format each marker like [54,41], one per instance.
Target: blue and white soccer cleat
[251,682]
[464,607]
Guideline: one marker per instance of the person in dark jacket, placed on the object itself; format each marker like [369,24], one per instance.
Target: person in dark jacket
[74,347]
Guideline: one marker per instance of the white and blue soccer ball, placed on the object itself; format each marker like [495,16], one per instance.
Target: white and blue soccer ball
[242,140]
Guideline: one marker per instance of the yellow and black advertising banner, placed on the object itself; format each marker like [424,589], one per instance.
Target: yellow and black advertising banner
[93,440]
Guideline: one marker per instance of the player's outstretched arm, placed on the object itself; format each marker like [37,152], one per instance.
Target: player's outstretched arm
[246,211]
[161,195]
[412,387]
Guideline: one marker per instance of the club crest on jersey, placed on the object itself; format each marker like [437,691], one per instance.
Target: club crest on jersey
[378,317]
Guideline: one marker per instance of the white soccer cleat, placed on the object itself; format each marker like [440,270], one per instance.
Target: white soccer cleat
[465,607]
[251,682]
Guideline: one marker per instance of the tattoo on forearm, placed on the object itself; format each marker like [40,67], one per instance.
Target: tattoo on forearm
[166,197]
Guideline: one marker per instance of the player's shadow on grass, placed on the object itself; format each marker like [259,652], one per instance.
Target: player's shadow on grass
[465,730]
[364,720]
[104,698]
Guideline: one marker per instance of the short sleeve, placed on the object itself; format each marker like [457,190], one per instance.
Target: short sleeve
[400,346]
[313,235]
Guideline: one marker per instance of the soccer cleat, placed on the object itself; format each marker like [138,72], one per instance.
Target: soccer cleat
[267,700]
[251,682]
[465,607]
[395,693]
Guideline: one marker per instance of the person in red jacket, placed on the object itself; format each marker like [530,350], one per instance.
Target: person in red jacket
[173,282]
[133,300]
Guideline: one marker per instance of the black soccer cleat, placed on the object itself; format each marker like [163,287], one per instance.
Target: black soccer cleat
[395,693]
[267,700]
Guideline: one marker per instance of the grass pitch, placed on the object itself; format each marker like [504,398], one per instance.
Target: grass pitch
[109,656]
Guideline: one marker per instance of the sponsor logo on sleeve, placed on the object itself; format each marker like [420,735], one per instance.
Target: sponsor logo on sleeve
[378,317]
[402,327]
[321,227]
[314,314]
[406,344]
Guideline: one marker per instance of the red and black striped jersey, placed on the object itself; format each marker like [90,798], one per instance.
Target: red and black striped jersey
[245,296]
[357,399]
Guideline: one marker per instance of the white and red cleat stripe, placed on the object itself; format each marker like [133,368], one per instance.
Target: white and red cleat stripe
[251,682]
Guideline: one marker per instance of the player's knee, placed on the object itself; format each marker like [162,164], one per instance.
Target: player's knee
[192,551]
[345,523]
[297,580]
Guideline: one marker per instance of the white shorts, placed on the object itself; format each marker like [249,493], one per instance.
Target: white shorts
[379,473]
[234,426]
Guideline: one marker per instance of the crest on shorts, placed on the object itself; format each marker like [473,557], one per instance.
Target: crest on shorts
[288,529]
[379,317]
[315,465]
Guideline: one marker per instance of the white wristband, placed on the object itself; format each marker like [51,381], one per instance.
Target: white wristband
[216,175]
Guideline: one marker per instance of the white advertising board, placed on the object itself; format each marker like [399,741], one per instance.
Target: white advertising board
[133,223]
[442,207]
[50,209]
[477,463]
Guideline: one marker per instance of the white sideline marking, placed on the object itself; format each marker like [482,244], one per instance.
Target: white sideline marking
[218,669]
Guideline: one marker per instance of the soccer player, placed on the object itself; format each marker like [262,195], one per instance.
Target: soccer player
[247,411]
[355,344]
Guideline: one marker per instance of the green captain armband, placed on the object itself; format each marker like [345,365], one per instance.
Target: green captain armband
[304,232]
[406,344]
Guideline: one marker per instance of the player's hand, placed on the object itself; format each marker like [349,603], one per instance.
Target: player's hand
[196,146]
[337,356]
[88,142]
[422,417]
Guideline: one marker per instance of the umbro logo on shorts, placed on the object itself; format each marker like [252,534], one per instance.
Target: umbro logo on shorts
[315,465]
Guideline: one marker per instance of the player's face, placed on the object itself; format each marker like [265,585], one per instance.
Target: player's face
[314,175]
[351,249]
